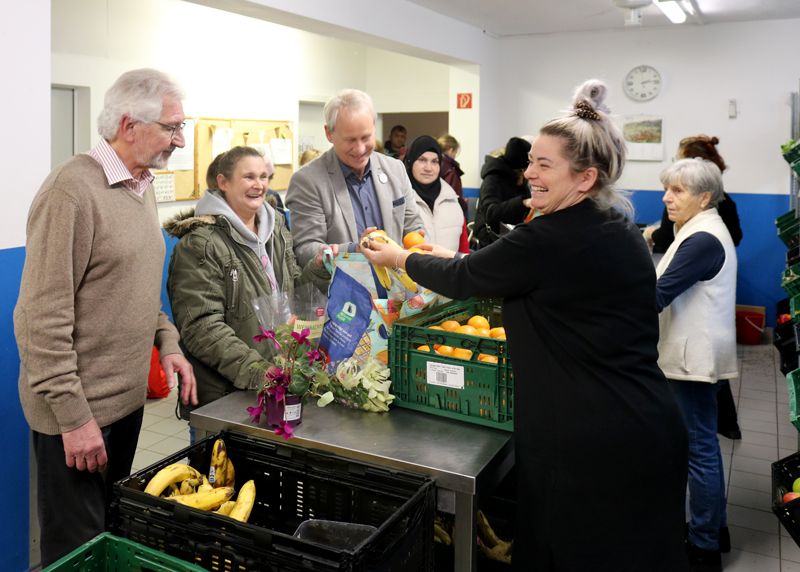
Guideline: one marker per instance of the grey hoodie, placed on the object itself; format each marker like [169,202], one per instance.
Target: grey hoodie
[214,203]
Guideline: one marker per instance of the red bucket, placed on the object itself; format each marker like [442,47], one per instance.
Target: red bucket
[749,324]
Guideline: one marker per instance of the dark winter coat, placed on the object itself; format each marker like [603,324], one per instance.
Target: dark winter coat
[500,200]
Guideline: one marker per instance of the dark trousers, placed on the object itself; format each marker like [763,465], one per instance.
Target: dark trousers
[72,503]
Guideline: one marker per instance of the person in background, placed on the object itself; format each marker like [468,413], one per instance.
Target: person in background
[505,197]
[436,200]
[232,249]
[451,170]
[661,237]
[596,427]
[309,155]
[395,146]
[696,295]
[349,188]
[88,312]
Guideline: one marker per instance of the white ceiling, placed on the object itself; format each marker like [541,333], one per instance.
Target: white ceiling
[501,18]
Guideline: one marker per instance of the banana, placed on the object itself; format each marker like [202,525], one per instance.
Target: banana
[225,508]
[173,490]
[170,474]
[218,471]
[206,500]
[186,487]
[404,279]
[205,485]
[383,276]
[230,473]
[244,502]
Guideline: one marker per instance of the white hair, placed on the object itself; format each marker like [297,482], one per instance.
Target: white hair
[139,94]
[352,99]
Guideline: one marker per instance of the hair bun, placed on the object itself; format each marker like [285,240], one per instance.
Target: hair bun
[592,93]
[714,141]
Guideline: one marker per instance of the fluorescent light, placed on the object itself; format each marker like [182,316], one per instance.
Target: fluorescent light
[672,10]
[687,7]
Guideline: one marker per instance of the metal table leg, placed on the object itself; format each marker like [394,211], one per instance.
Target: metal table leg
[465,533]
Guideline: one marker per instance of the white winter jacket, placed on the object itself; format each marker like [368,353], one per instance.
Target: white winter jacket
[445,226]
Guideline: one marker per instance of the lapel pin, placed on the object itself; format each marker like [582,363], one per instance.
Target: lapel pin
[383,178]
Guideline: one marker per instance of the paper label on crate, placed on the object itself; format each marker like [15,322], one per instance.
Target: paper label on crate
[445,375]
[292,412]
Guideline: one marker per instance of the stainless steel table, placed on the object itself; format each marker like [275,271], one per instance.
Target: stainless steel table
[462,458]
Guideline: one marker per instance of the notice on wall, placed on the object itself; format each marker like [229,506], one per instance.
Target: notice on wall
[164,186]
[643,137]
[221,140]
[183,159]
[281,151]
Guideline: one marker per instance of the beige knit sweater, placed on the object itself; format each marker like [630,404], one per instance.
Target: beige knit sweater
[88,311]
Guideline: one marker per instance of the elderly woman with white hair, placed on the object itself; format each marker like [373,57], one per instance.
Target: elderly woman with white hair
[233,249]
[696,295]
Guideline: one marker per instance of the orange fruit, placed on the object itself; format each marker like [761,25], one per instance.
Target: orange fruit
[449,325]
[499,333]
[483,332]
[413,238]
[478,322]
[435,328]
[444,350]
[462,353]
[466,330]
[424,348]
[487,358]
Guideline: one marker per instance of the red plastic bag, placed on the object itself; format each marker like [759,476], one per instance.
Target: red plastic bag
[157,386]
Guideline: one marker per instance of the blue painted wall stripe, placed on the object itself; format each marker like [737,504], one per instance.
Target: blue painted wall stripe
[14,509]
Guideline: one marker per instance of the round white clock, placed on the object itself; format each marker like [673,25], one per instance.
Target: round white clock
[642,83]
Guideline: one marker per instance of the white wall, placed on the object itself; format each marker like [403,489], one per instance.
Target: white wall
[25,97]
[702,68]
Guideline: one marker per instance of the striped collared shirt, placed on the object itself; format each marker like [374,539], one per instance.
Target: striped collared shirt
[116,171]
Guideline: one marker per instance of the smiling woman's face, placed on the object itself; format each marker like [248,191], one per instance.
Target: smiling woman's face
[246,189]
[553,184]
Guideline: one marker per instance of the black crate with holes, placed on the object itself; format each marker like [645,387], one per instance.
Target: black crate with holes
[293,485]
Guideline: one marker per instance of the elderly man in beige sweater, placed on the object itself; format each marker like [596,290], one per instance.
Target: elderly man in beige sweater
[89,309]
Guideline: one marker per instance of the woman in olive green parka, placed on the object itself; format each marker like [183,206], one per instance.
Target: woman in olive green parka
[233,249]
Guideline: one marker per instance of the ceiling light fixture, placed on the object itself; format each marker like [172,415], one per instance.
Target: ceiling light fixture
[672,10]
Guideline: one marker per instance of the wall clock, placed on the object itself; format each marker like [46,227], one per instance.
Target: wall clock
[642,83]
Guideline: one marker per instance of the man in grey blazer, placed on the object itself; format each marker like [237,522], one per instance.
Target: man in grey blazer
[350,187]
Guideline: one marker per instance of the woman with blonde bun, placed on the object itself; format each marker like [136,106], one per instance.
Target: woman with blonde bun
[600,446]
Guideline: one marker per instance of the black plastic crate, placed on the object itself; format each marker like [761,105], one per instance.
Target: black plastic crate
[784,472]
[793,255]
[292,485]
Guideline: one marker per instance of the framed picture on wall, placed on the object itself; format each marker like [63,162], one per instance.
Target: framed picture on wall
[644,137]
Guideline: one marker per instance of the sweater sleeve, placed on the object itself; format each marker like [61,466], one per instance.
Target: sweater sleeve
[699,257]
[58,250]
[197,291]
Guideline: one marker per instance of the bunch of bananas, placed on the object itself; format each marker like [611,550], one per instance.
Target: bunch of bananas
[385,274]
[186,485]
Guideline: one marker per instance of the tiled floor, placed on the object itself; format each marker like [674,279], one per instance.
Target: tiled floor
[162,433]
[759,542]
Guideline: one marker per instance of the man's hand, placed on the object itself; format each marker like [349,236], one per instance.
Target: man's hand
[84,448]
[318,261]
[176,363]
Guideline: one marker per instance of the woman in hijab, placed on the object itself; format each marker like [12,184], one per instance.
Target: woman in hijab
[436,200]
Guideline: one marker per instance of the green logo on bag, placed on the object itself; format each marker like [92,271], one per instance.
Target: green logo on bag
[347,313]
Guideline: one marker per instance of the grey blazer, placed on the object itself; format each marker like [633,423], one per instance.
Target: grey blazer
[321,211]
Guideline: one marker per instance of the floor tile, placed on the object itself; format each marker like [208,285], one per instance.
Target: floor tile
[145,458]
[756,415]
[739,561]
[757,404]
[788,566]
[751,481]
[170,427]
[752,518]
[162,407]
[760,426]
[169,445]
[759,500]
[148,438]
[756,438]
[749,540]
[755,451]
[790,550]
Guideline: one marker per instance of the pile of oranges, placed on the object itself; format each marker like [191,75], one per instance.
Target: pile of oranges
[475,326]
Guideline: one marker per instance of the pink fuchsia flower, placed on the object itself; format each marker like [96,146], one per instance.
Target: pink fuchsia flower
[302,337]
[313,355]
[266,335]
[255,413]
[277,391]
[277,376]
[285,430]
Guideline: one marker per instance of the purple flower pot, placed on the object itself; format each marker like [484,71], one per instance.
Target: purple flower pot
[289,410]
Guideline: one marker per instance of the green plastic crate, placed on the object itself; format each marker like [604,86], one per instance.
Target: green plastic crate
[468,390]
[792,382]
[109,553]
[794,308]
[785,219]
[790,280]
[791,152]
[788,226]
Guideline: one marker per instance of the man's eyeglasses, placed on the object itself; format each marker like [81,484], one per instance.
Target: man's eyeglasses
[173,129]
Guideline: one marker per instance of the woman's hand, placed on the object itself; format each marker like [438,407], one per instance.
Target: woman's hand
[380,253]
[436,250]
[318,259]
